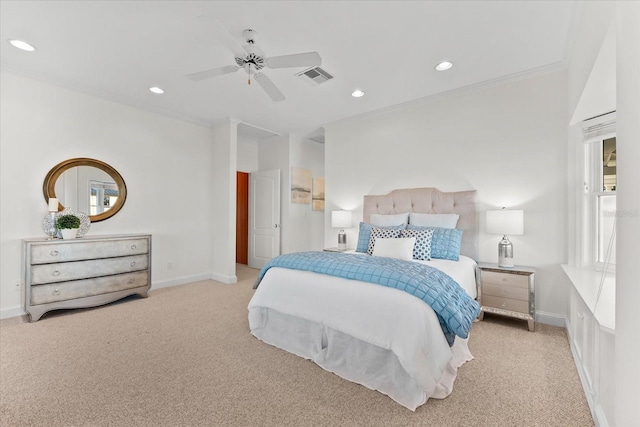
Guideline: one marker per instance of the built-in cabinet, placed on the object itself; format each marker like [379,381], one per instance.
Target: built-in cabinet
[591,329]
[84,272]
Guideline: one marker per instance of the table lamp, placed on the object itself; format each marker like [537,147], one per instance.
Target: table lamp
[341,220]
[505,221]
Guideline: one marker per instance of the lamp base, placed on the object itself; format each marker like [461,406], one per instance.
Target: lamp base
[342,240]
[505,262]
[505,253]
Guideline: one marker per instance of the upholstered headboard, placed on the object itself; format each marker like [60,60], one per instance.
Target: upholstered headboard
[431,200]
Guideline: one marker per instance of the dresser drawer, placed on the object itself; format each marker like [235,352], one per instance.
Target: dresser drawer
[85,250]
[506,303]
[512,292]
[63,272]
[63,291]
[506,279]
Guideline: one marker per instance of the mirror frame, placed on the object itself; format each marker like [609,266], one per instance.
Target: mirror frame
[49,185]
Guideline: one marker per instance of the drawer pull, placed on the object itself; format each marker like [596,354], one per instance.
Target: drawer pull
[504,279]
[133,263]
[56,273]
[56,292]
[133,246]
[54,253]
[504,305]
[131,281]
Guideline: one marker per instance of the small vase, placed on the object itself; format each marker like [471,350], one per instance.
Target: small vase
[69,233]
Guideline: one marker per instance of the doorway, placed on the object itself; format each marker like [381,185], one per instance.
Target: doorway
[242,217]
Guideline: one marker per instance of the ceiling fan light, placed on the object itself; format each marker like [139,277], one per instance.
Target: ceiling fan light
[357,93]
[157,90]
[444,66]
[22,45]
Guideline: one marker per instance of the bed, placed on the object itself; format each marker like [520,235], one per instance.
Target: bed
[382,337]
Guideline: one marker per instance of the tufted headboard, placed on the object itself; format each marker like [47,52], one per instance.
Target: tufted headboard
[431,200]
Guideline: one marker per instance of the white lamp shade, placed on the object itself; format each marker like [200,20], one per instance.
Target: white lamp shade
[505,221]
[341,219]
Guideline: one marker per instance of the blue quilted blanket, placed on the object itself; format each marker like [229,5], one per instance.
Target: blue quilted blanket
[456,310]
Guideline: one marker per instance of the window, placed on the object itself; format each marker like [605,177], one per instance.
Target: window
[600,182]
[102,195]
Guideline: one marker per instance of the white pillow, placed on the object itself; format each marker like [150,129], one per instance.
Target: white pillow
[387,220]
[401,247]
[434,220]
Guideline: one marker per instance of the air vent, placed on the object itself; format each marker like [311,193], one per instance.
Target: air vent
[315,76]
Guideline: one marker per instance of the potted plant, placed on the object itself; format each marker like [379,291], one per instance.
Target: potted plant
[68,226]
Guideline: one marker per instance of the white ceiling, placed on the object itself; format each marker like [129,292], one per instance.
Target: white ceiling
[118,49]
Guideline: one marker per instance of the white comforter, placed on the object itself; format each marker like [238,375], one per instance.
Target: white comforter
[376,336]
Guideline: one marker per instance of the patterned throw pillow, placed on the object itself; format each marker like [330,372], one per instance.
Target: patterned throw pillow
[422,248]
[445,243]
[386,233]
[364,235]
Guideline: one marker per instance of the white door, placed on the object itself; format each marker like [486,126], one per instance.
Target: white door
[264,217]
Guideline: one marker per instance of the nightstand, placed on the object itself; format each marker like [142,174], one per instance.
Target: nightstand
[507,291]
[335,250]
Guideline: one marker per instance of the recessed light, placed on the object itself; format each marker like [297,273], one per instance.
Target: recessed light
[444,65]
[156,89]
[357,93]
[22,45]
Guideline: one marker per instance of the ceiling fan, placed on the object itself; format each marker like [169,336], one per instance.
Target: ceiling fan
[252,59]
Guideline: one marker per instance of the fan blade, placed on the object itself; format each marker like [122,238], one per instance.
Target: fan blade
[309,59]
[213,72]
[223,35]
[268,86]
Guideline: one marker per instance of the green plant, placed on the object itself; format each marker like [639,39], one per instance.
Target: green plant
[68,222]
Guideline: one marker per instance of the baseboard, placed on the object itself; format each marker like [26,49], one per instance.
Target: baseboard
[9,312]
[180,281]
[225,279]
[553,319]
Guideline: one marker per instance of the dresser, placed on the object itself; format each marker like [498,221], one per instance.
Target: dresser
[507,291]
[84,272]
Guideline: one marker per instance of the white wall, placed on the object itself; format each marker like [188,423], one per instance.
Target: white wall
[247,155]
[301,228]
[627,345]
[223,170]
[306,225]
[506,141]
[165,163]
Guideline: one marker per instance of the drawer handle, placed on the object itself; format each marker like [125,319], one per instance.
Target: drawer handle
[504,305]
[131,281]
[56,292]
[56,273]
[133,263]
[504,279]
[54,253]
[133,246]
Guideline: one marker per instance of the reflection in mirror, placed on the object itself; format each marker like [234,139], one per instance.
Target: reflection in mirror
[86,189]
[102,195]
[86,185]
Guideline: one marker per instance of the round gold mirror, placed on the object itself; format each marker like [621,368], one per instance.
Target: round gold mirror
[86,185]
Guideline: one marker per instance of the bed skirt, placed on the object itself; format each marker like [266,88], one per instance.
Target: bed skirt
[353,359]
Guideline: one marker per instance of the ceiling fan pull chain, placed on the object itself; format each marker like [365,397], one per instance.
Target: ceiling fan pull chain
[249,77]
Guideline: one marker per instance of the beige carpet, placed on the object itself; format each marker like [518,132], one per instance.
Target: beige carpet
[184,357]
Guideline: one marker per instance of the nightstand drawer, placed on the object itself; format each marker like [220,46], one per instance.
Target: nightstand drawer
[505,291]
[505,279]
[506,303]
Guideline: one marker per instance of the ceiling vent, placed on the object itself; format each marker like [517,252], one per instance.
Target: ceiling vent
[315,76]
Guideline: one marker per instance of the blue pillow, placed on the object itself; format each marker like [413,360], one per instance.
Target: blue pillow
[364,235]
[445,243]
